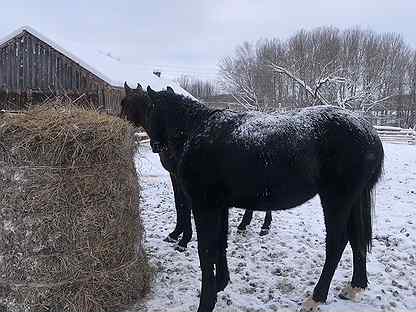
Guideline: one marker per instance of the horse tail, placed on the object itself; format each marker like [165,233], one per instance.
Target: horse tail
[363,210]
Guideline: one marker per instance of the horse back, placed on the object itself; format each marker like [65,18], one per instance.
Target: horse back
[267,160]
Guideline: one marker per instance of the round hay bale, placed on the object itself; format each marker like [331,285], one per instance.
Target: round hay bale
[70,229]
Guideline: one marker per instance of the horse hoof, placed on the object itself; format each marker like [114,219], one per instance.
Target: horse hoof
[351,293]
[207,306]
[264,232]
[170,239]
[310,305]
[180,248]
[222,283]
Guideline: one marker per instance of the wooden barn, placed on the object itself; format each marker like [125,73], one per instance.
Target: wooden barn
[34,68]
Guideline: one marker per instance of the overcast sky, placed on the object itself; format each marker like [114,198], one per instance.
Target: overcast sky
[190,37]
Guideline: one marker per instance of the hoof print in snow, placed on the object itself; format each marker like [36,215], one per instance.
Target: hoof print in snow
[264,232]
[180,248]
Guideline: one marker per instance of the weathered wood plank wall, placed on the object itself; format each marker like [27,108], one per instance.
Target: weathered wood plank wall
[31,70]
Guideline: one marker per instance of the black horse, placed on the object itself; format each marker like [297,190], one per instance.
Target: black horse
[227,159]
[169,162]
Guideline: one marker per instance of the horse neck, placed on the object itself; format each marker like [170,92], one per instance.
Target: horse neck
[191,115]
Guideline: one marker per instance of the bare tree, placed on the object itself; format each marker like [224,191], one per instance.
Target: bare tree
[239,76]
[197,87]
[365,98]
[354,68]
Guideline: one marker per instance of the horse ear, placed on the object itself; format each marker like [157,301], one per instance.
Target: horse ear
[139,87]
[170,90]
[127,88]
[150,91]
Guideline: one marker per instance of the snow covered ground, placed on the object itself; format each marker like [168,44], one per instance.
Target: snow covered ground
[276,272]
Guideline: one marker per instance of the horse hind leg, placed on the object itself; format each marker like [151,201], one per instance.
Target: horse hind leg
[222,274]
[187,228]
[248,215]
[336,213]
[359,281]
[360,234]
[265,228]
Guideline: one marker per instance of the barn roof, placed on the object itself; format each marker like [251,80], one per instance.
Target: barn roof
[102,64]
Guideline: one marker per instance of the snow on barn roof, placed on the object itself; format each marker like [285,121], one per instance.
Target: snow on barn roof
[103,65]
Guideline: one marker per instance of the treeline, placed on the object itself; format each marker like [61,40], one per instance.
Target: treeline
[359,68]
[197,87]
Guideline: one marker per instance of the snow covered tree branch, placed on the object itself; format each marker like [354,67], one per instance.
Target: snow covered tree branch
[365,97]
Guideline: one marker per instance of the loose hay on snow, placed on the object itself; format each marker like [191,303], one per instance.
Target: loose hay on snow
[70,230]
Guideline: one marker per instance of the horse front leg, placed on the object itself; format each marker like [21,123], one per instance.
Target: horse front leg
[265,228]
[179,206]
[187,226]
[208,221]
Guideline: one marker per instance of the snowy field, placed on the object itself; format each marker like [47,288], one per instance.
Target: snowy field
[276,272]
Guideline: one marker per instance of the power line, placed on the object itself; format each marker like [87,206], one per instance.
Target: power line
[185,67]
[174,69]
[208,73]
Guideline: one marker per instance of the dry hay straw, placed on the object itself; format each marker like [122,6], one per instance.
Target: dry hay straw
[70,230]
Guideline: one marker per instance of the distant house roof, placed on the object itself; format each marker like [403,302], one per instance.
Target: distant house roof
[103,65]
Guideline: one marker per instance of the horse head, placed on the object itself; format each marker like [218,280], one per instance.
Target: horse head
[136,106]
[157,127]
[171,119]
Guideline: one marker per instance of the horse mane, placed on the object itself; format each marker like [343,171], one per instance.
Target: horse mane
[184,100]
[192,112]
